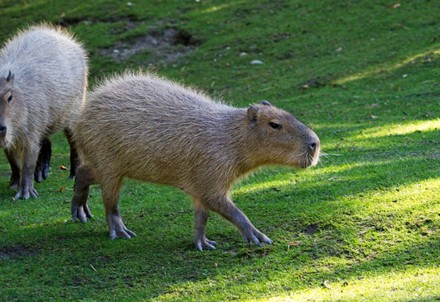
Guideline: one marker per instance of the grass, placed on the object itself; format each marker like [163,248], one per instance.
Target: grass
[362,226]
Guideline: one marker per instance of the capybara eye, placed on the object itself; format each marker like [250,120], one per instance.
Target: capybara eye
[8,96]
[275,125]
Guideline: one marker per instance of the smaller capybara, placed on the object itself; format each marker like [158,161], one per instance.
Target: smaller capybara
[147,128]
[43,80]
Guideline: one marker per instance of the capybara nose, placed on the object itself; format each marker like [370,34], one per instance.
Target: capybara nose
[314,144]
[2,129]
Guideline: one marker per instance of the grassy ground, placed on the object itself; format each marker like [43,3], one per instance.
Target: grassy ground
[362,226]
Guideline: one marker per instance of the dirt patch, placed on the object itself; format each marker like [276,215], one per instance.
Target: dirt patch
[68,21]
[164,43]
[311,229]
[8,252]
[163,46]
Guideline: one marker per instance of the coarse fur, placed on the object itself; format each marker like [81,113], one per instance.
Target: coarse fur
[43,81]
[147,128]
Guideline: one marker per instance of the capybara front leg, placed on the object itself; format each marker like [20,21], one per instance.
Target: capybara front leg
[86,176]
[225,207]
[26,188]
[43,163]
[201,218]
[110,196]
[14,183]
[74,157]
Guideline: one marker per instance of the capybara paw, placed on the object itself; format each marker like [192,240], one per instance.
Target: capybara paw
[118,228]
[25,193]
[205,244]
[45,172]
[256,237]
[121,233]
[38,176]
[41,172]
[81,212]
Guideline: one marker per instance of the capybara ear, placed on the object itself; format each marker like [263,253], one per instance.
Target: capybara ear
[10,77]
[252,114]
[266,103]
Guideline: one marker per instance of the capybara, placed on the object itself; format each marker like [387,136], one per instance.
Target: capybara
[148,128]
[43,79]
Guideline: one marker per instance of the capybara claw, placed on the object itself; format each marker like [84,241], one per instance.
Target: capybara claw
[257,238]
[38,177]
[26,193]
[205,244]
[81,212]
[124,234]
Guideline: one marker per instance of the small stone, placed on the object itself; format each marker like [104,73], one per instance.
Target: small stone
[256,62]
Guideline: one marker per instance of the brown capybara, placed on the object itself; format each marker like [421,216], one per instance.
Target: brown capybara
[147,128]
[43,78]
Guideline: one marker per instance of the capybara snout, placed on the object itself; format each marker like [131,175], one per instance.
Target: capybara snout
[312,155]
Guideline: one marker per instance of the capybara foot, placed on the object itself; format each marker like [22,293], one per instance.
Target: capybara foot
[41,172]
[26,192]
[255,236]
[118,228]
[81,212]
[205,244]
[38,175]
[43,163]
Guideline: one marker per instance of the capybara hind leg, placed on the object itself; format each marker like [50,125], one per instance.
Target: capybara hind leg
[26,188]
[110,188]
[86,176]
[14,183]
[201,218]
[225,207]
[43,163]
[74,157]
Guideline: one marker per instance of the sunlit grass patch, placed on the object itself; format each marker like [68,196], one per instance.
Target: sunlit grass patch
[414,284]
[388,67]
[406,128]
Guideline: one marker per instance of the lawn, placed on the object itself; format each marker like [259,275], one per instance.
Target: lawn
[363,225]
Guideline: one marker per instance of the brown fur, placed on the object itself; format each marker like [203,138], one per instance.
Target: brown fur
[147,128]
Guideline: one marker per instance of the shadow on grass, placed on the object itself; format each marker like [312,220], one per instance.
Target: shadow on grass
[80,258]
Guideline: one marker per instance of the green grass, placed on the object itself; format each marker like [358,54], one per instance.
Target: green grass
[363,225]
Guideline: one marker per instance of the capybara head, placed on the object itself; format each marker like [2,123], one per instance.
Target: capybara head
[286,140]
[6,107]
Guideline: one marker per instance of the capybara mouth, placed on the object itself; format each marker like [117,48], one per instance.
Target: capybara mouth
[309,160]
